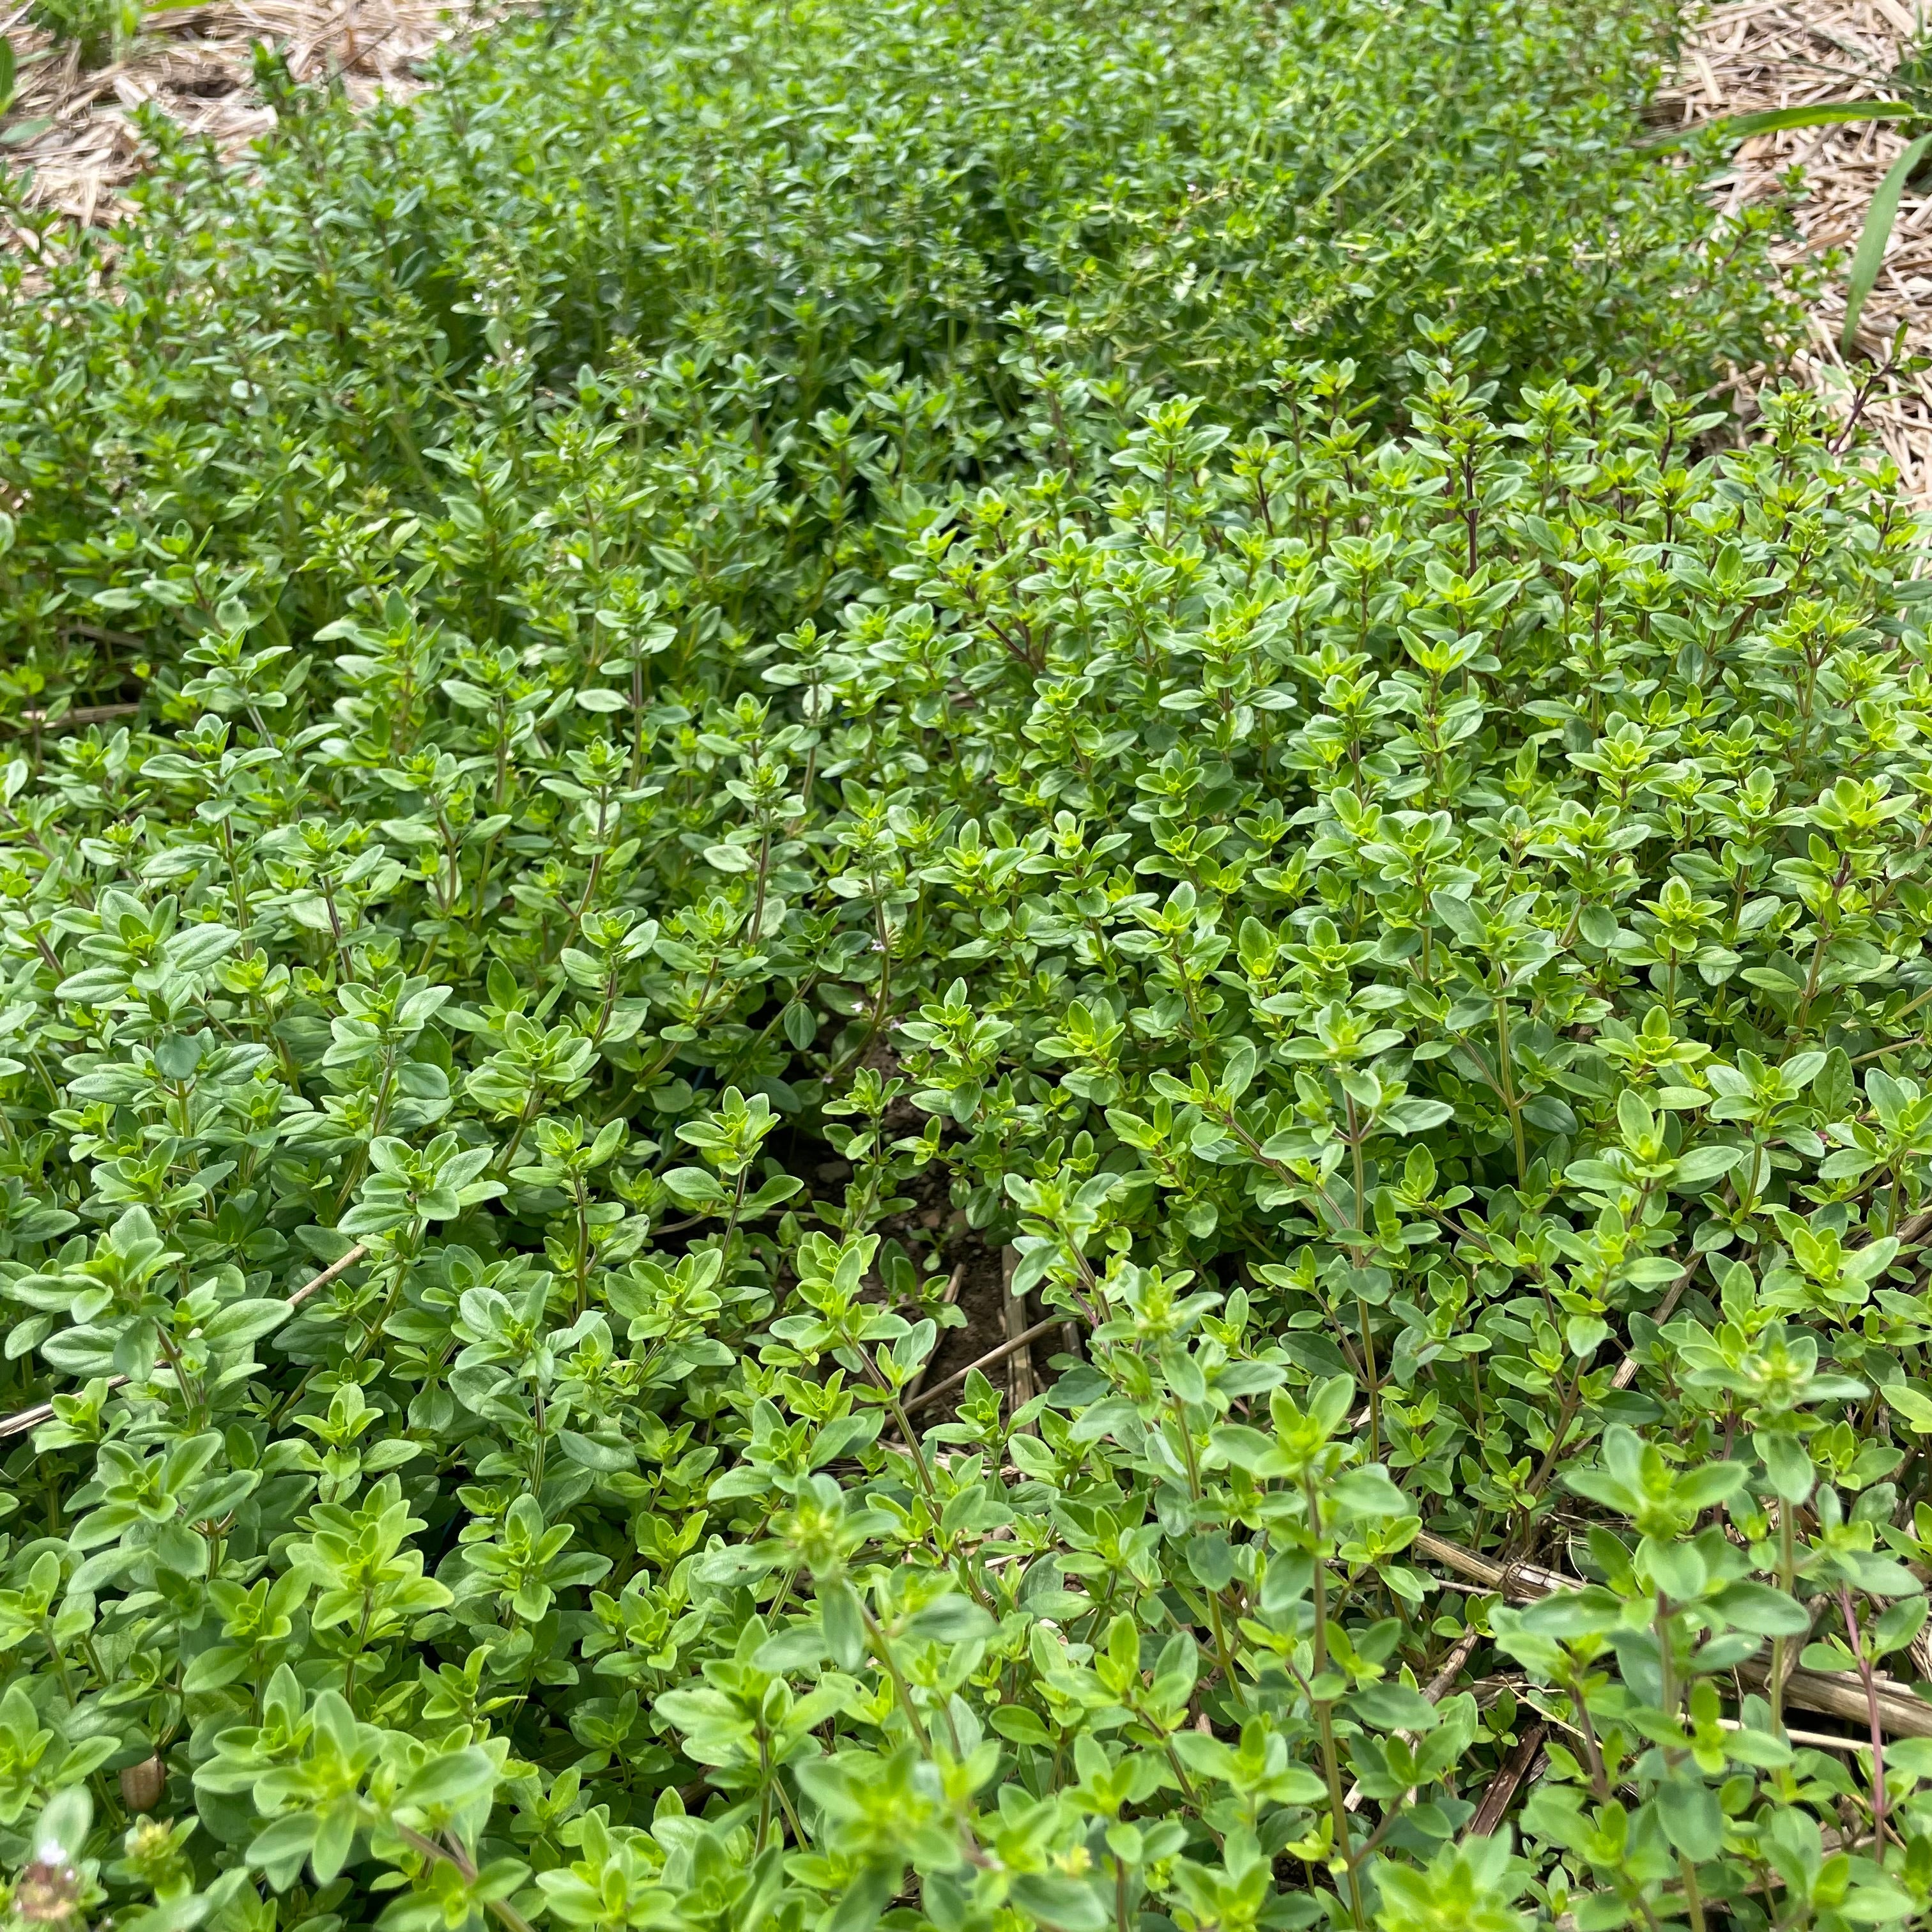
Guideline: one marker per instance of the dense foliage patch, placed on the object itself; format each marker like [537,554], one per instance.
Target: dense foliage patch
[761,667]
[1414,944]
[833,250]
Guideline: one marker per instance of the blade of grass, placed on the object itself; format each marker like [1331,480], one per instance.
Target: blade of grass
[1877,232]
[1772,120]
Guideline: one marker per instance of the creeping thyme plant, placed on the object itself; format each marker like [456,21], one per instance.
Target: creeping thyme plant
[567,873]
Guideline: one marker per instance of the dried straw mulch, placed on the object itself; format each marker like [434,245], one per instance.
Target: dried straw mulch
[195,65]
[1757,54]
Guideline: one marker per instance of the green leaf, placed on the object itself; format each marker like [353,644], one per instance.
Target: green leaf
[1061,1901]
[1869,258]
[240,1322]
[1020,1726]
[213,1669]
[60,1833]
[1791,1476]
[1774,120]
[451,1781]
[845,1626]
[1691,1816]
[280,1849]
[1912,1404]
[1759,1608]
[588,1454]
[697,1187]
[952,1620]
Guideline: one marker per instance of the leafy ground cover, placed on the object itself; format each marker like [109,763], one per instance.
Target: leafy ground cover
[790,234]
[719,728]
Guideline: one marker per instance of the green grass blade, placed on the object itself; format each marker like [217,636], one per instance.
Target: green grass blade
[1819,114]
[6,74]
[1870,255]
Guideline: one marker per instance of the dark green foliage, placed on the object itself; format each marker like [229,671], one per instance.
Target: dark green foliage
[798,231]
[96,29]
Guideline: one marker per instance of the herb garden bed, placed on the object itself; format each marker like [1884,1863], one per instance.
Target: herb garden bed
[951,980]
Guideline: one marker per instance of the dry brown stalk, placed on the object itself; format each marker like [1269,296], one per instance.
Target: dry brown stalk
[952,1294]
[1012,1309]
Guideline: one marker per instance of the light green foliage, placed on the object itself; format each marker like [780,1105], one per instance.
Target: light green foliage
[762,659]
[1416,942]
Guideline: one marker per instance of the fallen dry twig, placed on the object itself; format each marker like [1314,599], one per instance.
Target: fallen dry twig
[18,1424]
[1516,1769]
[985,1362]
[1895,1709]
[955,1283]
